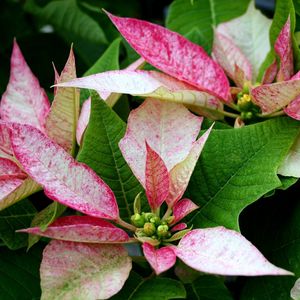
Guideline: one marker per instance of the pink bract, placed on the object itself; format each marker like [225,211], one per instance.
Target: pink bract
[174,55]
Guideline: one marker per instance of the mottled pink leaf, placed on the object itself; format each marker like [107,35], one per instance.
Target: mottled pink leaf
[145,84]
[293,109]
[181,173]
[182,209]
[169,128]
[83,120]
[284,48]
[270,73]
[161,259]
[61,122]
[84,229]
[228,55]
[9,170]
[226,252]
[64,180]
[178,227]
[24,101]
[19,189]
[5,145]
[83,271]
[274,96]
[174,55]
[157,179]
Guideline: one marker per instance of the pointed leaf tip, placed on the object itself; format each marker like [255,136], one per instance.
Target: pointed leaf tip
[161,259]
[174,55]
[64,180]
[226,252]
[157,179]
[24,101]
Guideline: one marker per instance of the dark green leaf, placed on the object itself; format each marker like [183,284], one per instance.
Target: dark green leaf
[101,152]
[237,167]
[159,289]
[19,275]
[196,20]
[16,217]
[210,288]
[43,219]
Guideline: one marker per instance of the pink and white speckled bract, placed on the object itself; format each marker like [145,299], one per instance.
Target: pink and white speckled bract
[83,271]
[24,101]
[157,179]
[83,120]
[84,229]
[170,130]
[61,121]
[64,180]
[284,48]
[173,54]
[161,259]
[5,145]
[182,208]
[226,252]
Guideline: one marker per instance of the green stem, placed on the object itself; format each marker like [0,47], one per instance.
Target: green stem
[272,115]
[168,213]
[233,106]
[126,225]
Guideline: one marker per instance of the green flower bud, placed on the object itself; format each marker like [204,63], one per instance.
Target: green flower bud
[245,103]
[149,229]
[246,115]
[170,219]
[138,220]
[148,216]
[162,231]
[155,220]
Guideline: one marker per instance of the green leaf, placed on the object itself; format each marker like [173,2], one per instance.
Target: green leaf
[210,288]
[101,152]
[19,276]
[197,20]
[109,60]
[276,232]
[13,218]
[67,18]
[237,167]
[159,288]
[43,219]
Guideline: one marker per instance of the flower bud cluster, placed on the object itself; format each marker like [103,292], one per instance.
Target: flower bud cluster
[150,225]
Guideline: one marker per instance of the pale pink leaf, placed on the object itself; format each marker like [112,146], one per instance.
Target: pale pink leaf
[293,109]
[169,128]
[226,252]
[83,120]
[157,179]
[182,209]
[284,48]
[178,227]
[174,55]
[19,189]
[250,33]
[83,229]
[181,173]
[274,96]
[270,73]
[64,180]
[146,84]
[8,167]
[161,259]
[61,122]
[7,186]
[295,291]
[24,101]
[112,98]
[228,55]
[83,271]
[5,145]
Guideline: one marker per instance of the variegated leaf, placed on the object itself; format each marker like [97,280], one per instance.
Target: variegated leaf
[182,209]
[83,120]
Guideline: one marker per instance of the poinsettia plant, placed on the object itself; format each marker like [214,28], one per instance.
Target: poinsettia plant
[147,195]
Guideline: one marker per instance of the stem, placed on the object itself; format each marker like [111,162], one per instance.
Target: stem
[126,225]
[272,115]
[168,213]
[228,114]
[233,106]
